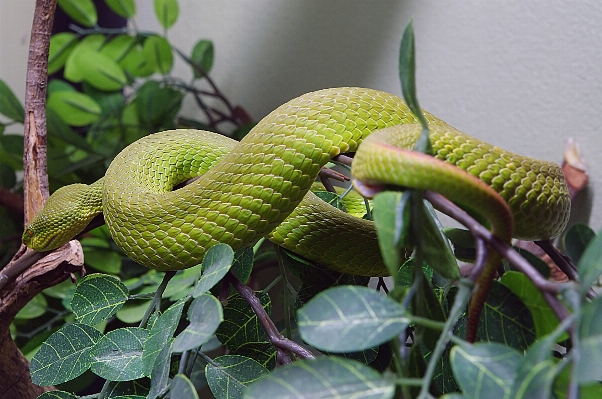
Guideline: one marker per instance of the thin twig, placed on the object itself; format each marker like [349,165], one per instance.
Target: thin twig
[282,344]
[563,262]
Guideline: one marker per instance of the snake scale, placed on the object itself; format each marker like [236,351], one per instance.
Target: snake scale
[259,186]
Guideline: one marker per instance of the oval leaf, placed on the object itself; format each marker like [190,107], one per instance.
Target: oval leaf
[167,12]
[76,109]
[325,377]
[125,8]
[61,45]
[157,52]
[98,297]
[228,376]
[202,56]
[205,315]
[57,395]
[161,332]
[100,71]
[485,370]
[216,263]
[64,355]
[350,319]
[182,388]
[82,11]
[72,70]
[118,355]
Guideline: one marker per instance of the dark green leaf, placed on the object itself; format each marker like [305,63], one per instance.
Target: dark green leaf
[34,308]
[330,198]
[157,52]
[76,109]
[161,332]
[10,106]
[98,297]
[229,375]
[205,315]
[167,12]
[182,388]
[350,319]
[57,395]
[11,151]
[243,264]
[485,370]
[505,319]
[65,355]
[8,177]
[160,371]
[125,8]
[82,11]
[118,355]
[463,242]
[59,129]
[241,324]
[118,47]
[590,264]
[61,45]
[216,264]
[157,106]
[202,56]
[544,318]
[325,377]
[576,240]
[391,218]
[436,249]
[103,260]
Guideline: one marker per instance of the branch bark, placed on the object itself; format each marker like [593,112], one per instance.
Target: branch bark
[26,282]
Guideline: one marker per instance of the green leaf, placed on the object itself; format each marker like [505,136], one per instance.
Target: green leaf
[167,12]
[242,267]
[590,264]
[10,106]
[72,71]
[437,251]
[82,11]
[160,371]
[57,128]
[61,45]
[205,315]
[485,370]
[216,263]
[157,106]
[76,109]
[350,319]
[99,71]
[133,311]
[241,324]
[134,62]
[161,332]
[118,47]
[57,395]
[98,297]
[202,56]
[8,177]
[158,53]
[505,319]
[34,308]
[463,242]
[536,383]
[391,218]
[544,318]
[118,355]
[576,240]
[65,355]
[228,376]
[325,377]
[590,330]
[125,8]
[182,388]
[331,199]
[103,260]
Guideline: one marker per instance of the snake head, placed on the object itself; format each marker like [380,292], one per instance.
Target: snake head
[66,214]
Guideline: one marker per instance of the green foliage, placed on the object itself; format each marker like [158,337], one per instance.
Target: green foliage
[153,335]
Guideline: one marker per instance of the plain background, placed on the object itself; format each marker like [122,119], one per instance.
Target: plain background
[524,75]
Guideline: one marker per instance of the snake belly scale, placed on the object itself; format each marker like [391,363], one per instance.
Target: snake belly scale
[259,186]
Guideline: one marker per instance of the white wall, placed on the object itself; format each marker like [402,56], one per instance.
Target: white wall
[522,74]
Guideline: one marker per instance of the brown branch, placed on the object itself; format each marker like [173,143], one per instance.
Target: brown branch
[283,345]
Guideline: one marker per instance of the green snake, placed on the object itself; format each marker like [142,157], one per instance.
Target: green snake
[260,186]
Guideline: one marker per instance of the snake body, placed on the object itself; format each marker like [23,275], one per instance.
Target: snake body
[259,186]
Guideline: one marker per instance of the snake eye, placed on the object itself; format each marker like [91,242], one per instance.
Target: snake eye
[29,232]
